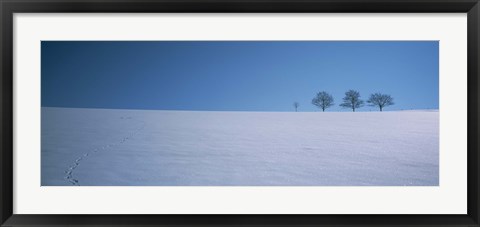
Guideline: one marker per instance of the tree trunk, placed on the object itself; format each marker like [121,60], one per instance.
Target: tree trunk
[381,109]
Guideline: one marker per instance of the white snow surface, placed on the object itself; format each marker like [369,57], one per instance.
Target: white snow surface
[106,147]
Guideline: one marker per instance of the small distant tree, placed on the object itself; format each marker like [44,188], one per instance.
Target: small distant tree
[323,100]
[296,105]
[352,100]
[380,100]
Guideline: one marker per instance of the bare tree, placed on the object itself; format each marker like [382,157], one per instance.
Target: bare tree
[323,100]
[352,100]
[380,100]
[296,105]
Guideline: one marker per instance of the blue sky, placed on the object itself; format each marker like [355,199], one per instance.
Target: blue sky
[236,75]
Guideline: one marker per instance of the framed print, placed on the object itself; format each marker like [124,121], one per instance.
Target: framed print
[256,113]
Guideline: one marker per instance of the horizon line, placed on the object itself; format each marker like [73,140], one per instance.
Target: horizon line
[262,111]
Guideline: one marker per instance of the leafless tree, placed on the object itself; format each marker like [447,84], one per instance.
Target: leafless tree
[296,105]
[380,100]
[323,100]
[352,100]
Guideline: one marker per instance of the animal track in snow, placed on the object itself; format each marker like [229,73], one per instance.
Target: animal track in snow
[69,172]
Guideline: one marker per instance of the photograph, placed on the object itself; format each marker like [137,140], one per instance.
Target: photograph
[240,113]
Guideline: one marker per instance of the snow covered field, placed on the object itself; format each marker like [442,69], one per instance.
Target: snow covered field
[177,148]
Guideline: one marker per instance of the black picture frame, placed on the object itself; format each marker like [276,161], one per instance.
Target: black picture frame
[9,7]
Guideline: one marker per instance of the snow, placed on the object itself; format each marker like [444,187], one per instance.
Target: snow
[105,147]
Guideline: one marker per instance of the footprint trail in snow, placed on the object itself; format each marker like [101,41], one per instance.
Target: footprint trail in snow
[69,173]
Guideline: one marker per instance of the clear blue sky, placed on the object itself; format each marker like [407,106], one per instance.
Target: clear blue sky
[236,75]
